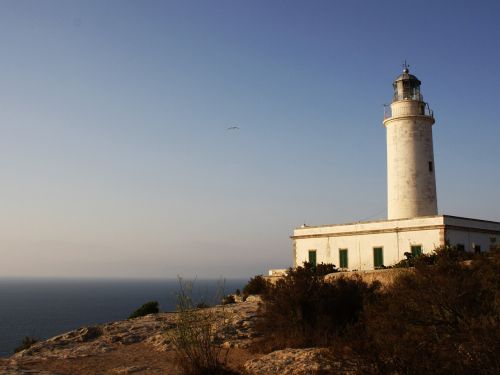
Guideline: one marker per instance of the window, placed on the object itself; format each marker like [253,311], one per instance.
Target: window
[431,167]
[312,257]
[378,257]
[477,248]
[416,250]
[343,258]
[493,241]
[460,247]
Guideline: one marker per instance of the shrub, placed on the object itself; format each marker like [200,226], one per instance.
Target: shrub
[26,344]
[302,309]
[449,253]
[202,305]
[195,334]
[439,319]
[229,299]
[441,254]
[150,307]
[322,269]
[256,285]
[412,260]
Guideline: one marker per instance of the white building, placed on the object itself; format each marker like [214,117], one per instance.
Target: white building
[413,223]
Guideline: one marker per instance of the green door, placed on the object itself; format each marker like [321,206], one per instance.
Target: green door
[378,257]
[416,250]
[312,257]
[343,258]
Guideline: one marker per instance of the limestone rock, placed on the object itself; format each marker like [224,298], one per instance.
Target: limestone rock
[129,370]
[254,298]
[300,362]
[153,329]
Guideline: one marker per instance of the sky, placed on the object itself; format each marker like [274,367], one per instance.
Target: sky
[115,157]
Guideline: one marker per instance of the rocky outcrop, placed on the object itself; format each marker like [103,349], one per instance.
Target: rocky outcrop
[310,361]
[152,330]
[115,342]
[89,341]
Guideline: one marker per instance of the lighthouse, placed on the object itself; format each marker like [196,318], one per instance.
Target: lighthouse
[413,225]
[411,181]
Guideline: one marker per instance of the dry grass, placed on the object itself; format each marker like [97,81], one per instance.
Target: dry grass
[195,336]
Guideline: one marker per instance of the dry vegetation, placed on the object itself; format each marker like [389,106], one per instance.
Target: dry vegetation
[305,310]
[194,337]
[443,318]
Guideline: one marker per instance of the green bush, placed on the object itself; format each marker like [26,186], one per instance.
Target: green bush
[202,305]
[441,254]
[256,285]
[412,260]
[26,344]
[321,269]
[302,309]
[229,299]
[150,307]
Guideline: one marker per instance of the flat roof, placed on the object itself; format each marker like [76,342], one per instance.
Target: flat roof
[421,223]
[390,220]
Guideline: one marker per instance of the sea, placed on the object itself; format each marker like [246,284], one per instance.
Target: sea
[43,308]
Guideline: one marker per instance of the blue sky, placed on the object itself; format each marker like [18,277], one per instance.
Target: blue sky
[114,153]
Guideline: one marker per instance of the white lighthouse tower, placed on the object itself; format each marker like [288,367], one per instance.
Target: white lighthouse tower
[411,181]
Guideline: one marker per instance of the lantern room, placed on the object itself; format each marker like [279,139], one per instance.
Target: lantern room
[407,87]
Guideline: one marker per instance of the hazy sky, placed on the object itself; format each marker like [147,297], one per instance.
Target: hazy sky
[114,154]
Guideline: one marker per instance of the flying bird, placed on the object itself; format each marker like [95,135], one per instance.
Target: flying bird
[233,128]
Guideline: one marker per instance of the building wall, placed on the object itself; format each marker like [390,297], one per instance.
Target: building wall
[395,237]
[360,247]
[470,232]
[470,238]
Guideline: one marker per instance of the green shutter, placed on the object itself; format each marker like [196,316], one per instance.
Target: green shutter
[343,258]
[416,250]
[378,257]
[312,257]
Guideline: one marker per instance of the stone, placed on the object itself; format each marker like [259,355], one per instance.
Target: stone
[129,370]
[89,333]
[300,362]
[254,298]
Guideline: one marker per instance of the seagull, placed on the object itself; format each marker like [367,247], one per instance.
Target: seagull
[233,128]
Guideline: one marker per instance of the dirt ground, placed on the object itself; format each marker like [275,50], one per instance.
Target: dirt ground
[137,359]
